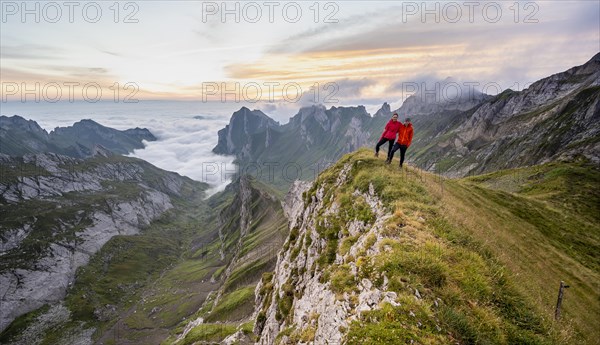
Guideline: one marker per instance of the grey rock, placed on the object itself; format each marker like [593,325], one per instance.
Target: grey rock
[293,205]
[45,278]
[10,239]
[237,136]
[312,297]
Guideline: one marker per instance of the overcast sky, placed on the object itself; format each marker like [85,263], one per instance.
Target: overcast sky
[364,49]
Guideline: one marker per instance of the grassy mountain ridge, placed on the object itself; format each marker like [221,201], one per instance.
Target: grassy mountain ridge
[462,262]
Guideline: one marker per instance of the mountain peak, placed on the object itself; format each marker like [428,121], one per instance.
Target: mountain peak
[595,58]
[16,121]
[84,124]
[255,114]
[384,111]
[88,122]
[243,124]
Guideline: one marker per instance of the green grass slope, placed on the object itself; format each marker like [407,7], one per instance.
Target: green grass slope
[230,305]
[486,258]
[543,222]
[153,280]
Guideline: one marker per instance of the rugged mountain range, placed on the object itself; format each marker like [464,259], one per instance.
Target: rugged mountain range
[130,254]
[19,136]
[311,141]
[111,249]
[555,118]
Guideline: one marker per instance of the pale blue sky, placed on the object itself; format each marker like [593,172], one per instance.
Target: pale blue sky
[172,50]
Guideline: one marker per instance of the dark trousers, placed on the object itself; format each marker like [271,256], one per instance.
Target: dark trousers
[402,152]
[383,141]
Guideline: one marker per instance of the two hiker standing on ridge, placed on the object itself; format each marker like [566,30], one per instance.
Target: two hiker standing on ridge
[405,135]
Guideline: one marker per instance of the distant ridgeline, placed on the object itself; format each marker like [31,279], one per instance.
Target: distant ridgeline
[85,138]
[556,118]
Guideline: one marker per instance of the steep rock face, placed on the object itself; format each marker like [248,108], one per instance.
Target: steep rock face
[58,211]
[312,139]
[35,176]
[293,204]
[12,238]
[356,136]
[547,92]
[318,125]
[21,288]
[319,308]
[326,132]
[236,137]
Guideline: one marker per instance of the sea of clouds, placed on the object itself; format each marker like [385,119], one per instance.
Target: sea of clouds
[186,131]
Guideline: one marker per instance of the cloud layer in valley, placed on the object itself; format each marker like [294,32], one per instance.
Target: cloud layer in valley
[184,143]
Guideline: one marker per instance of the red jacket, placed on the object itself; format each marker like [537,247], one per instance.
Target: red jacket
[406,135]
[391,129]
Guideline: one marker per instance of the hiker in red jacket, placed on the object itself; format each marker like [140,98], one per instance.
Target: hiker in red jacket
[389,135]
[404,139]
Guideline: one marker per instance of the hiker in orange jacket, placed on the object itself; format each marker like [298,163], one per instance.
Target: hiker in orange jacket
[389,134]
[404,140]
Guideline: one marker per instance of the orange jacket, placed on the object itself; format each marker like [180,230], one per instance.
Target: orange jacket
[406,135]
